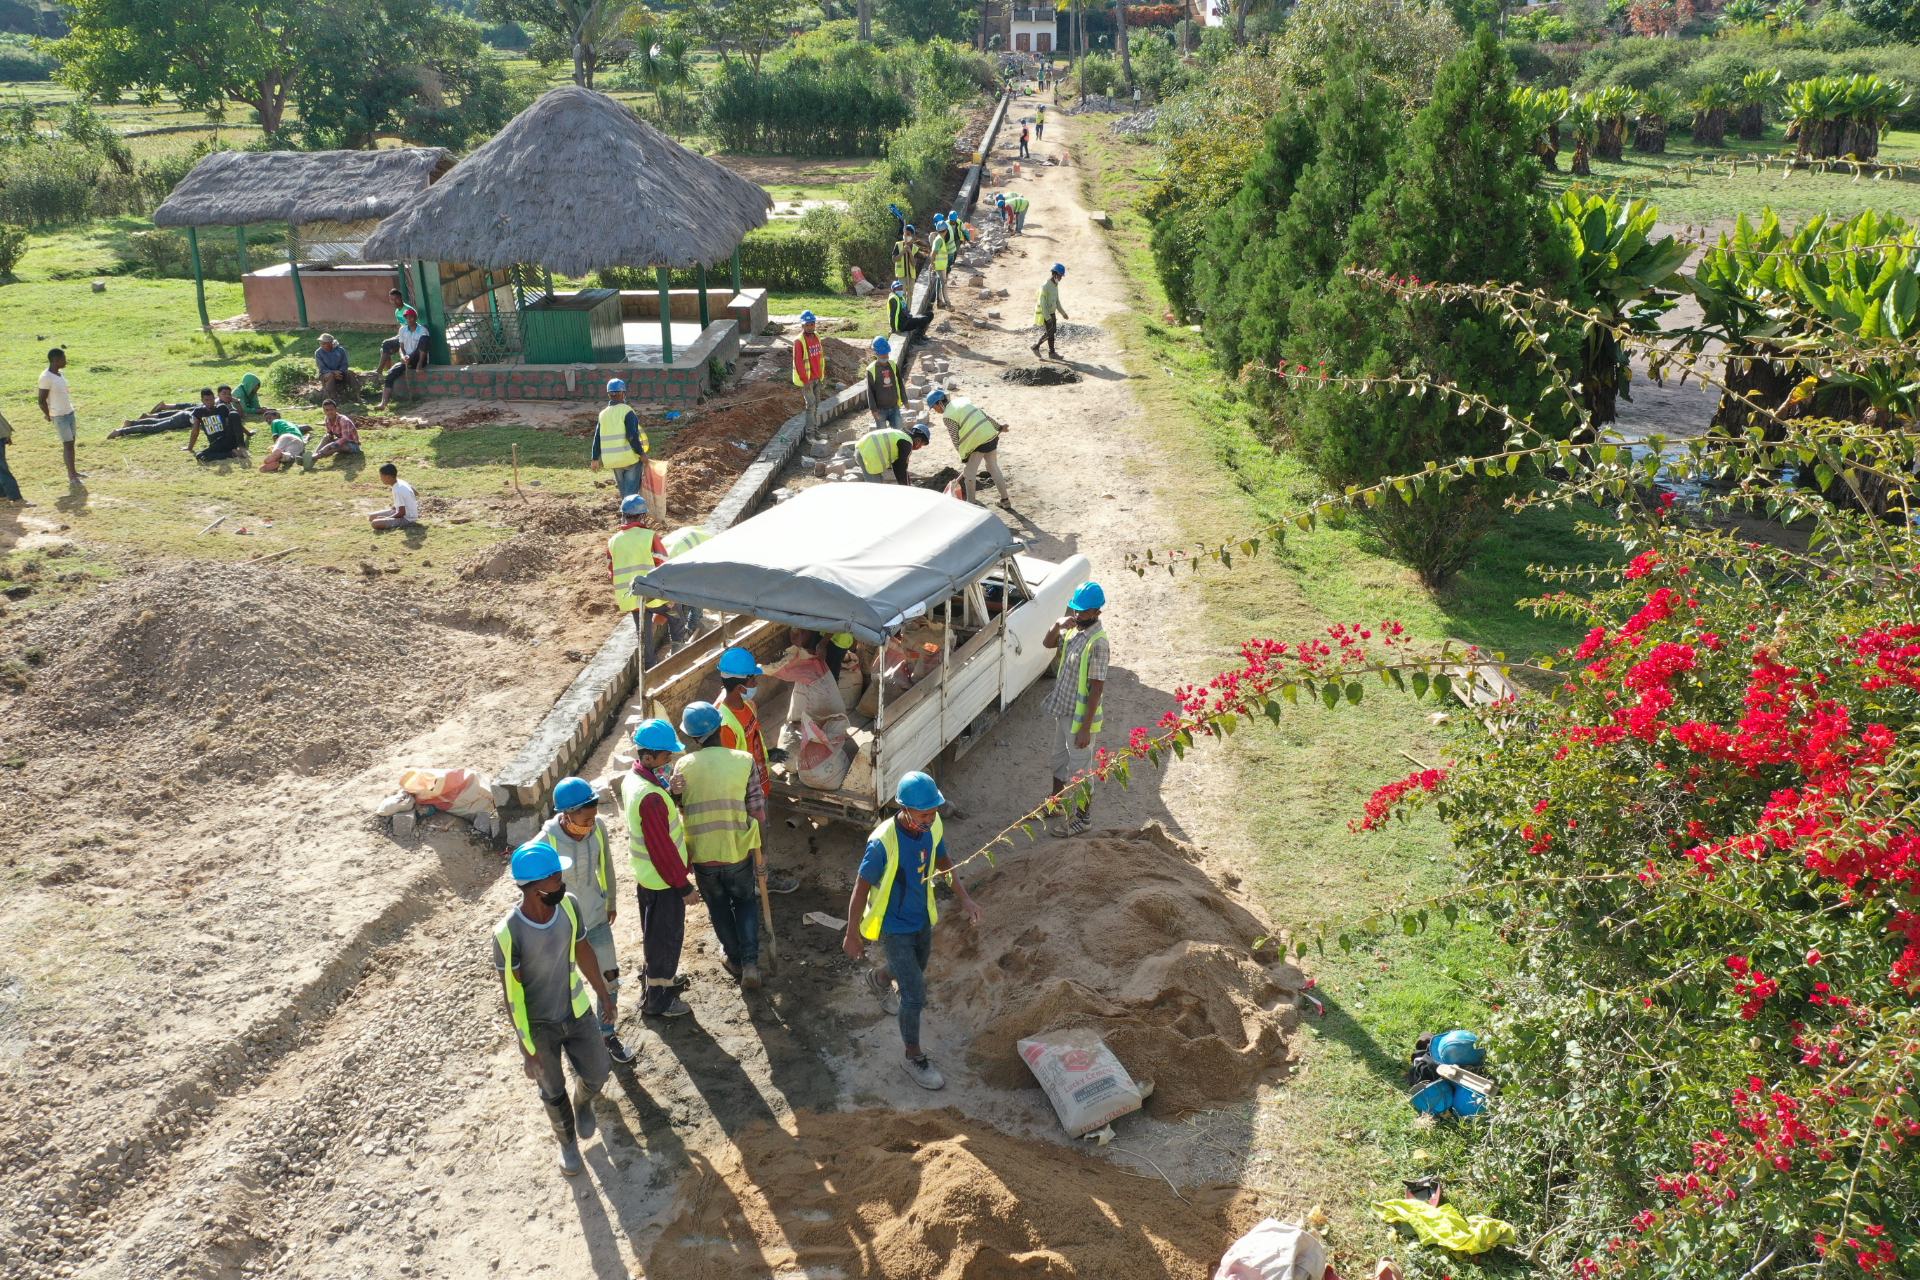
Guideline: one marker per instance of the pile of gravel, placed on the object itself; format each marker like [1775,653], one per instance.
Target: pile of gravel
[1098,103]
[1139,122]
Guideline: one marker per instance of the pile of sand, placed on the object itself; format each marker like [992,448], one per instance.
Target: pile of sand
[1125,933]
[933,1195]
[525,557]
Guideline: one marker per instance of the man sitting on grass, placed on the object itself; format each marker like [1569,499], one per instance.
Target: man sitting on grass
[226,438]
[342,436]
[406,506]
[289,442]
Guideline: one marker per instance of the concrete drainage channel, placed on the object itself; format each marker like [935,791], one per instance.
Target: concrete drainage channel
[579,718]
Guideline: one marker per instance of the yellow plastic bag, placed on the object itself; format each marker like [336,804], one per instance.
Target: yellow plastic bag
[1443,1225]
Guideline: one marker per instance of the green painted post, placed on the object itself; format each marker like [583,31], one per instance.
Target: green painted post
[199,280]
[293,266]
[704,320]
[665,279]
[736,268]
[240,235]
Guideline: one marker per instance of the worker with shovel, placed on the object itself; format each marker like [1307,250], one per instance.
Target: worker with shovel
[976,438]
[893,905]
[720,789]
[541,954]
[579,835]
[663,880]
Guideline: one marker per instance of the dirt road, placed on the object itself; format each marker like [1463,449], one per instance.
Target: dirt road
[342,1097]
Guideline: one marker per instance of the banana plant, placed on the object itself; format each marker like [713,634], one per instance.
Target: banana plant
[1864,283]
[1659,106]
[1624,277]
[1787,14]
[1743,13]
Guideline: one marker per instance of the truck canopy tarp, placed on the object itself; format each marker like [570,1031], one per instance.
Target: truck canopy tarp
[839,557]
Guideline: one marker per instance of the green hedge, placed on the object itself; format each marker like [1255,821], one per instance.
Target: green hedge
[803,109]
[777,260]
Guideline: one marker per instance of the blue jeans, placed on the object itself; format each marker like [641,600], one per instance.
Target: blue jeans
[9,487]
[628,478]
[733,904]
[888,418]
[907,957]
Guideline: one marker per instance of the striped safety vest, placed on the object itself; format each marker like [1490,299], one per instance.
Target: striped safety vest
[679,541]
[881,897]
[971,422]
[878,448]
[639,787]
[1080,698]
[517,991]
[631,551]
[718,826]
[809,359]
[615,450]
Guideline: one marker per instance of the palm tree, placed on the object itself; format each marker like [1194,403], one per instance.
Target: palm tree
[1541,112]
[1813,107]
[1658,107]
[1584,125]
[1757,91]
[1710,108]
[1612,107]
[1744,13]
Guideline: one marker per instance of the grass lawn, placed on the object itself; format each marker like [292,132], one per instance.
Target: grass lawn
[1342,1133]
[1706,197]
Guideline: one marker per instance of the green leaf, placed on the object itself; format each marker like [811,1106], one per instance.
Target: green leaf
[1346,943]
[1409,926]
[1272,709]
[1291,693]
[1442,685]
[1420,683]
[1330,694]
[1354,693]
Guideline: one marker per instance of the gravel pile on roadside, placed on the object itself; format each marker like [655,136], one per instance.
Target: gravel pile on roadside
[1139,122]
[1097,104]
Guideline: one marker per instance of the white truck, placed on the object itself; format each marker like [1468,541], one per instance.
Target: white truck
[870,560]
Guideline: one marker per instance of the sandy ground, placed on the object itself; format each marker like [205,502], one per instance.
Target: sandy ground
[296,1062]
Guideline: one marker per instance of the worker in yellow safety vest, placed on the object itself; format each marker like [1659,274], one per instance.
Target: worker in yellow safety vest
[541,962]
[657,855]
[719,790]
[883,453]
[976,438]
[618,441]
[1019,204]
[579,835]
[893,905]
[1075,703]
[1047,311]
[900,317]
[941,246]
[906,255]
[810,365]
[635,548]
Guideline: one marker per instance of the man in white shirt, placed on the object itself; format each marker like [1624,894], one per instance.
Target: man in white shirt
[406,505]
[56,406]
[413,354]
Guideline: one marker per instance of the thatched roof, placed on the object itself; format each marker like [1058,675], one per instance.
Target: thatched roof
[237,188]
[574,183]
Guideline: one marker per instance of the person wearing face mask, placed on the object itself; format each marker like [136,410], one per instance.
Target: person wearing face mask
[541,956]
[663,880]
[740,729]
[893,905]
[720,790]
[578,834]
[1074,703]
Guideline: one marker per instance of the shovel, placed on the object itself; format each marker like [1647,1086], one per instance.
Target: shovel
[769,944]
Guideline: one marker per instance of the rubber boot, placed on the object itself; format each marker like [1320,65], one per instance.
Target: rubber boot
[560,1115]
[583,1122]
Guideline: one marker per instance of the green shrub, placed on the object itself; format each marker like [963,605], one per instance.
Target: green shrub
[286,376]
[13,246]
[19,60]
[788,261]
[803,109]
[1098,74]
[1158,68]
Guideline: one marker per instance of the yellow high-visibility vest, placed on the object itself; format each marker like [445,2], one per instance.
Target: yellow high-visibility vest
[972,424]
[615,450]
[631,551]
[639,787]
[517,991]
[718,826]
[1080,699]
[880,897]
[878,448]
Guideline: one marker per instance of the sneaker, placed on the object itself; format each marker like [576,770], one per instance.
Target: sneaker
[1081,824]
[677,1008]
[619,1052]
[750,977]
[733,970]
[781,884]
[924,1073]
[884,992]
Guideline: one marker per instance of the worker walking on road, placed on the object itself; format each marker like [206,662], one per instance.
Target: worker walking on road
[1075,703]
[893,905]
[635,548]
[883,386]
[1040,123]
[719,790]
[1047,312]
[618,441]
[810,366]
[900,317]
[662,878]
[541,955]
[579,836]
[883,453]
[976,438]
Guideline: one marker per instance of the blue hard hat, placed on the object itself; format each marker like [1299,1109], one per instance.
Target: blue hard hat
[739,662]
[1059,270]
[1088,595]
[700,720]
[936,396]
[807,317]
[882,347]
[633,505]
[918,791]
[911,227]
[615,384]
[571,793]
[899,286]
[657,735]
[919,433]
[536,860]
[939,219]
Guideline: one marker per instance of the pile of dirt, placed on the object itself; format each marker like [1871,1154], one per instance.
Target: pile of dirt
[1126,933]
[201,672]
[933,1195]
[525,557]
[1046,375]
[559,516]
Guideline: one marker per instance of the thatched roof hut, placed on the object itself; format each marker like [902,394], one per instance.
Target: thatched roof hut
[240,188]
[574,183]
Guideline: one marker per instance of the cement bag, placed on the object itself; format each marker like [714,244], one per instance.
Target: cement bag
[460,792]
[823,753]
[853,681]
[1085,1082]
[1274,1251]
[653,487]
[816,696]
[870,701]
